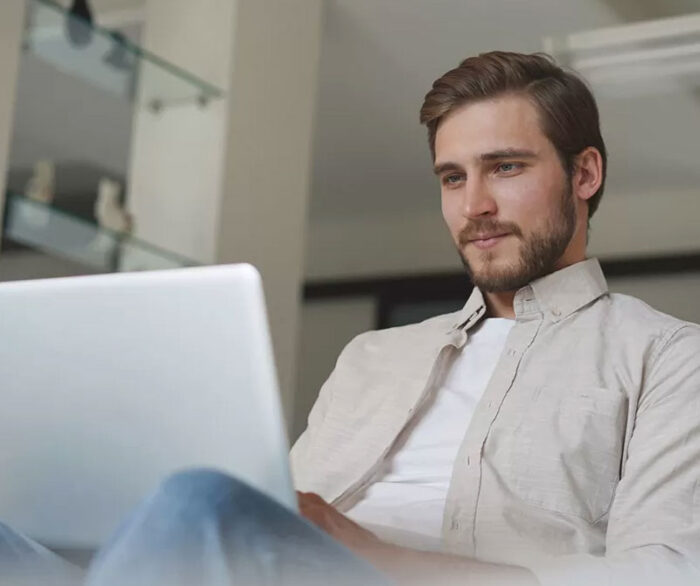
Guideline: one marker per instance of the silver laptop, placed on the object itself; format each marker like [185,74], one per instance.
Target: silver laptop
[109,383]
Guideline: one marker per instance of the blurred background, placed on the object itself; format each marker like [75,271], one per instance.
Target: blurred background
[151,134]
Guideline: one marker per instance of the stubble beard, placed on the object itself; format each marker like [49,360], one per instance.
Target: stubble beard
[538,252]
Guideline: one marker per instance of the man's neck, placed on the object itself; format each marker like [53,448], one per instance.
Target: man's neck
[500,304]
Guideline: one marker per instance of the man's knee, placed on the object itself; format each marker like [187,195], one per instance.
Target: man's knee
[202,482]
[205,488]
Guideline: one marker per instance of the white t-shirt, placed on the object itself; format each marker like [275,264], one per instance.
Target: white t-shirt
[405,504]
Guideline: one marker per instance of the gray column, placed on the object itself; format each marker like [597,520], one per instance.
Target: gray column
[230,182]
[268,164]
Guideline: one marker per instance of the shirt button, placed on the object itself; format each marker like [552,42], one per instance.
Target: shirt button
[511,352]
[454,525]
[556,312]
[469,461]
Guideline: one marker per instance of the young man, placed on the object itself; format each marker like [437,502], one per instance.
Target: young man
[550,431]
[547,433]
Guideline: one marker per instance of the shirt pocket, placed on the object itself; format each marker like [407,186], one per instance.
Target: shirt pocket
[567,451]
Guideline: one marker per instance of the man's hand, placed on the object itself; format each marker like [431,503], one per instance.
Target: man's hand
[407,566]
[320,513]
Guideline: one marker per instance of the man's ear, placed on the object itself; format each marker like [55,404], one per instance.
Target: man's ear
[588,173]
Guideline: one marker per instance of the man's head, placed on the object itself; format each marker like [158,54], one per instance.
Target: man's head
[517,147]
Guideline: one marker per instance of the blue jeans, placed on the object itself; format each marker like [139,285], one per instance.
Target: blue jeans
[205,528]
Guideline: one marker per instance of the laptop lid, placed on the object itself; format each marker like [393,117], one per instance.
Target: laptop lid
[109,383]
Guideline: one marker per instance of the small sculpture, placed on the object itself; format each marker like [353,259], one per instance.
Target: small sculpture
[40,186]
[109,211]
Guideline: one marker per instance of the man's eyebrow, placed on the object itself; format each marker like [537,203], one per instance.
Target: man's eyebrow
[508,154]
[447,166]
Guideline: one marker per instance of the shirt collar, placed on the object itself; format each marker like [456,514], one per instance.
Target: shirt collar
[558,294]
[472,312]
[566,291]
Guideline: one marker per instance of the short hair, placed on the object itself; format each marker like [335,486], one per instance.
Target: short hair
[567,109]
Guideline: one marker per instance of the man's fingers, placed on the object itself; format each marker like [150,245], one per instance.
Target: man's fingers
[309,501]
[313,508]
[310,498]
[306,501]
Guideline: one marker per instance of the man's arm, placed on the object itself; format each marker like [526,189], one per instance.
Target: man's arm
[407,566]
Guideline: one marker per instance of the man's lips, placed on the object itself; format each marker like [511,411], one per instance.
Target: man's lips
[487,240]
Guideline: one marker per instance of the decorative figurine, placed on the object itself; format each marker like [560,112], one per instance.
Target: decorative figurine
[40,186]
[108,208]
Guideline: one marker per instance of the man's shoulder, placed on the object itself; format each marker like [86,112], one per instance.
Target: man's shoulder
[392,354]
[661,339]
[632,312]
[396,339]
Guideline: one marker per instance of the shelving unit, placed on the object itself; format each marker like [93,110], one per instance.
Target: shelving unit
[57,232]
[111,61]
[80,88]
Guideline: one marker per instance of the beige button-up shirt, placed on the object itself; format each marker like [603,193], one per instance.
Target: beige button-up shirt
[582,459]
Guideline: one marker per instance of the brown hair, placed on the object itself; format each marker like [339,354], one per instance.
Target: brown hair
[567,109]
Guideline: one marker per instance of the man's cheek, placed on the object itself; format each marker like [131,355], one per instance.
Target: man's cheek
[453,225]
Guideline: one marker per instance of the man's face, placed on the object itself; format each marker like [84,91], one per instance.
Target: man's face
[506,198]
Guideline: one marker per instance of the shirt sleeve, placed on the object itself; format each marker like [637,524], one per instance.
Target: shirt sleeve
[653,534]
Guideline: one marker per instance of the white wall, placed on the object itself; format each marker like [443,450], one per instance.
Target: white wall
[675,294]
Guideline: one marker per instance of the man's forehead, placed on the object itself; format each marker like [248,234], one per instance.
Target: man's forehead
[485,129]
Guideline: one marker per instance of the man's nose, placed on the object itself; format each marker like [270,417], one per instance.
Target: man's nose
[477,200]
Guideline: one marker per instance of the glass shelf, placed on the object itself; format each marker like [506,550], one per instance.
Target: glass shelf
[109,60]
[47,228]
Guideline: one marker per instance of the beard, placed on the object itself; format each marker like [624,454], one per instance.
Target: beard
[538,252]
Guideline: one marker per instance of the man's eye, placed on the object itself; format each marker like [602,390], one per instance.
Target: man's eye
[451,179]
[508,167]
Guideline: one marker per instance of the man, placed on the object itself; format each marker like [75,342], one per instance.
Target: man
[547,433]
[550,431]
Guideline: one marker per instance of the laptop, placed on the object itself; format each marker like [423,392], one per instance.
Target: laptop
[110,383]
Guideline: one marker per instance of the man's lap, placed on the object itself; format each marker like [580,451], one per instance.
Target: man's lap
[204,527]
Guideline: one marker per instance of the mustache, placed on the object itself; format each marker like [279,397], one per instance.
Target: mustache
[477,227]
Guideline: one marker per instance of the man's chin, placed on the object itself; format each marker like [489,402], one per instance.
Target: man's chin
[492,278]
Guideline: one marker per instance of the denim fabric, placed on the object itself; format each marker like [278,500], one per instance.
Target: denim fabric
[203,527]
[200,528]
[24,562]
